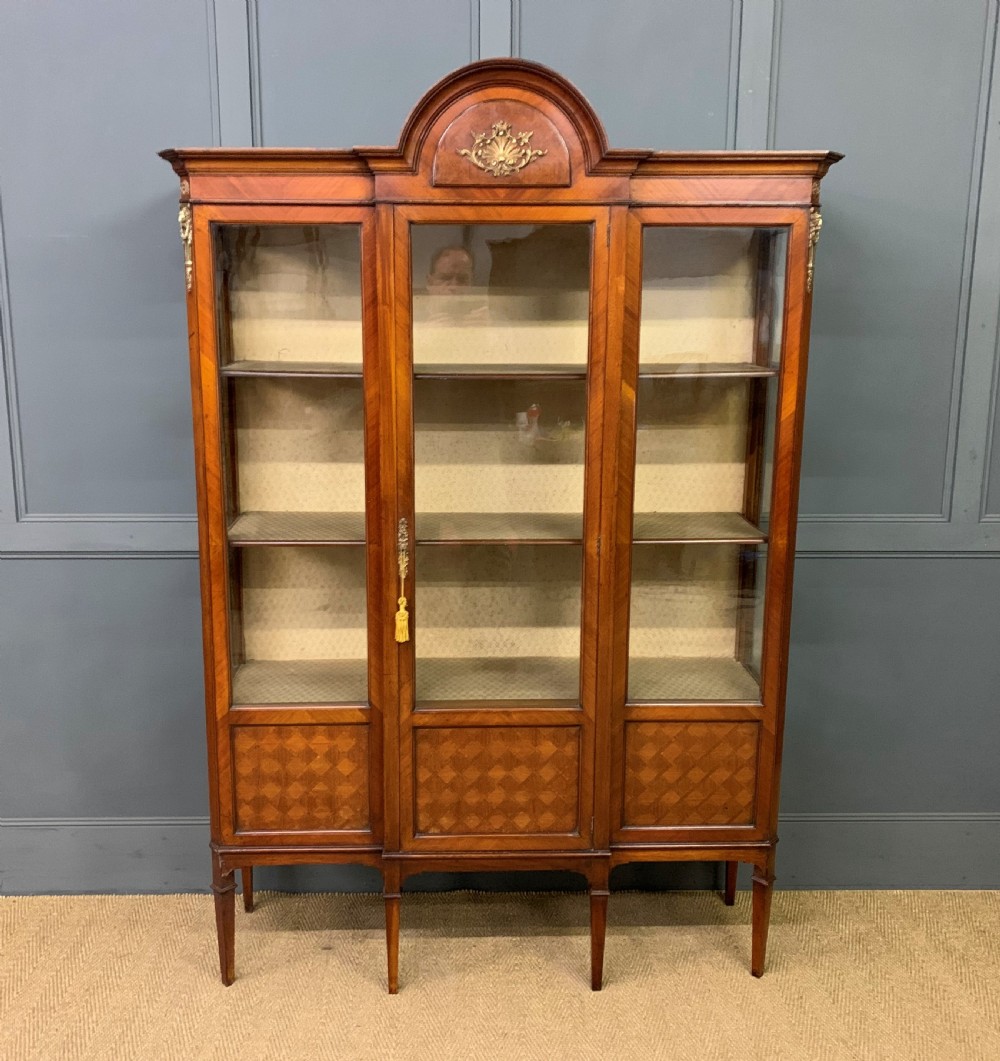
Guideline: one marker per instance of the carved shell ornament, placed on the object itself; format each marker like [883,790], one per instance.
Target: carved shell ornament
[501,152]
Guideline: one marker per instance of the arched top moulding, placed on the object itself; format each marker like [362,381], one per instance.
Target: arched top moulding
[501,122]
[508,125]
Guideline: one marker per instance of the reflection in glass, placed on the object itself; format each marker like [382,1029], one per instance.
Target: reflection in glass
[290,293]
[503,295]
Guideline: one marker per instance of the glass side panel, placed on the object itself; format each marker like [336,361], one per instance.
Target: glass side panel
[691,446]
[500,356]
[290,293]
[299,624]
[711,296]
[290,342]
[693,622]
[297,449]
[709,353]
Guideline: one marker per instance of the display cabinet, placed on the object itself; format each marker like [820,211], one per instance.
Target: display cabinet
[497,442]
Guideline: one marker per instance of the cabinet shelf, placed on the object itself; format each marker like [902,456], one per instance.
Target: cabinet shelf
[295,369]
[498,678]
[487,371]
[706,370]
[558,528]
[298,528]
[702,679]
[327,681]
[521,528]
[681,527]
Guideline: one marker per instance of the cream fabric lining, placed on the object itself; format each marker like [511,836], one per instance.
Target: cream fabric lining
[300,446]
[304,603]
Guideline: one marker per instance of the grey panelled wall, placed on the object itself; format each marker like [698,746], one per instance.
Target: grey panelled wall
[893,721]
[889,337]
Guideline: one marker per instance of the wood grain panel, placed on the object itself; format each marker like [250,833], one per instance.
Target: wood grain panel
[505,780]
[548,162]
[690,773]
[301,778]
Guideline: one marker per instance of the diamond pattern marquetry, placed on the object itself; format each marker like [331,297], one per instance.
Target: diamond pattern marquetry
[503,780]
[690,773]
[301,778]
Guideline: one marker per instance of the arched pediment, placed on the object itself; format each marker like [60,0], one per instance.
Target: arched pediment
[501,122]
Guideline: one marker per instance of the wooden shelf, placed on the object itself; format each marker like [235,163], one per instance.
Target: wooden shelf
[700,679]
[498,678]
[298,528]
[515,528]
[707,370]
[301,682]
[558,528]
[308,369]
[499,371]
[680,527]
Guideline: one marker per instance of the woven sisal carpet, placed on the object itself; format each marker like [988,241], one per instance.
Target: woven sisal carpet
[866,975]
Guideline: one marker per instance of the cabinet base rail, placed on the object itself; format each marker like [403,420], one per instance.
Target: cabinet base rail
[396,867]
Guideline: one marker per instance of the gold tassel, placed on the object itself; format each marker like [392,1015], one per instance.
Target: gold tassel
[402,622]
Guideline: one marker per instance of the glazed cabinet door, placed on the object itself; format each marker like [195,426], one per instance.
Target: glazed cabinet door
[290,412]
[705,519]
[500,336]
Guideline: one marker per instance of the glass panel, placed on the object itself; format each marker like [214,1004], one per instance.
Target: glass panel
[290,293]
[692,628]
[299,467]
[299,625]
[510,296]
[500,347]
[289,300]
[709,349]
[711,297]
[498,622]
[499,459]
[691,455]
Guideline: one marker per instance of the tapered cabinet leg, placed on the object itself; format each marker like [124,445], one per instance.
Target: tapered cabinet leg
[391,894]
[246,875]
[224,889]
[598,926]
[729,895]
[598,931]
[763,888]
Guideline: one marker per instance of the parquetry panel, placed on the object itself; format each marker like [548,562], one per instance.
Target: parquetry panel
[690,773]
[497,780]
[301,778]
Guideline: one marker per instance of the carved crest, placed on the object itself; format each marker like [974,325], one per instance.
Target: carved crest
[501,152]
